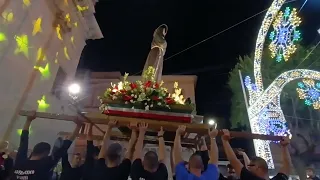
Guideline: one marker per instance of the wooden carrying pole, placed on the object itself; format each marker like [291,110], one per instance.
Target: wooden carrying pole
[120,137]
[200,129]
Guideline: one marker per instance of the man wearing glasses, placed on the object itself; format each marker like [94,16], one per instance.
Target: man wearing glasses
[257,169]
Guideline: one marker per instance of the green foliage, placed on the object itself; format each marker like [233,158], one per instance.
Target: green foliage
[302,59]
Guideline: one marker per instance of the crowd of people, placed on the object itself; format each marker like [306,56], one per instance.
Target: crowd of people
[114,162]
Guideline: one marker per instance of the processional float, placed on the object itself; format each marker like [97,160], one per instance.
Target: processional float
[148,100]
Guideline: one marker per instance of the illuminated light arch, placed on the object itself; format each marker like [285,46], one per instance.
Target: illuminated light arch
[285,35]
[266,23]
[264,111]
[309,91]
[267,111]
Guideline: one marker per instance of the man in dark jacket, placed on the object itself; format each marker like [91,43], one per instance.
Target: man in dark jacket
[6,162]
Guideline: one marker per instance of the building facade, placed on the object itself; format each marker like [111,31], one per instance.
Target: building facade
[40,46]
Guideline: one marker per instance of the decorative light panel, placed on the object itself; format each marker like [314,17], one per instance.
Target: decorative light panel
[262,148]
[284,35]
[309,91]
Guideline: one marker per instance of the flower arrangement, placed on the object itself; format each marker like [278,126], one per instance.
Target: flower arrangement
[144,94]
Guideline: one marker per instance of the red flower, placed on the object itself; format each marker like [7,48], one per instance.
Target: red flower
[127,97]
[156,86]
[148,84]
[123,91]
[155,98]
[133,85]
[169,101]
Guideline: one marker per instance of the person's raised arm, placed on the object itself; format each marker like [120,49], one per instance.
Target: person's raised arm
[132,141]
[65,162]
[214,154]
[24,139]
[203,146]
[177,145]
[286,158]
[162,147]
[90,146]
[106,138]
[231,156]
[139,145]
[244,156]
[63,150]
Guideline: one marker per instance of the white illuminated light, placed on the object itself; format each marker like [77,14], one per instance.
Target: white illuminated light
[74,89]
[264,104]
[319,31]
[211,122]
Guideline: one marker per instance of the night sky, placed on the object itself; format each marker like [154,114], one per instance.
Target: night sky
[128,27]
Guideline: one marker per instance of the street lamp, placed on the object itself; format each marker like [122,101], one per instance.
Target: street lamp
[74,90]
[211,122]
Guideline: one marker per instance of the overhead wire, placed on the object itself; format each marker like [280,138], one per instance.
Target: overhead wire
[217,34]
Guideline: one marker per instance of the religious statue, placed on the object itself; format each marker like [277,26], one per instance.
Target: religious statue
[157,52]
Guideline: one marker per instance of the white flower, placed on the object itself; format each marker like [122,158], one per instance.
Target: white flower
[131,101]
[102,107]
[148,99]
[147,108]
[145,104]
[159,103]
[126,102]
[135,96]
[151,105]
[132,95]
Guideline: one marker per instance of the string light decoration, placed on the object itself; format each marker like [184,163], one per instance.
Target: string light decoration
[284,35]
[251,87]
[309,91]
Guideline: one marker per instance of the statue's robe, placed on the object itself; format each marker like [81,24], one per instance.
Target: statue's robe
[157,52]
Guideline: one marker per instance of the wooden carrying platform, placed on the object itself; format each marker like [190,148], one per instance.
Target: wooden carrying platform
[97,118]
